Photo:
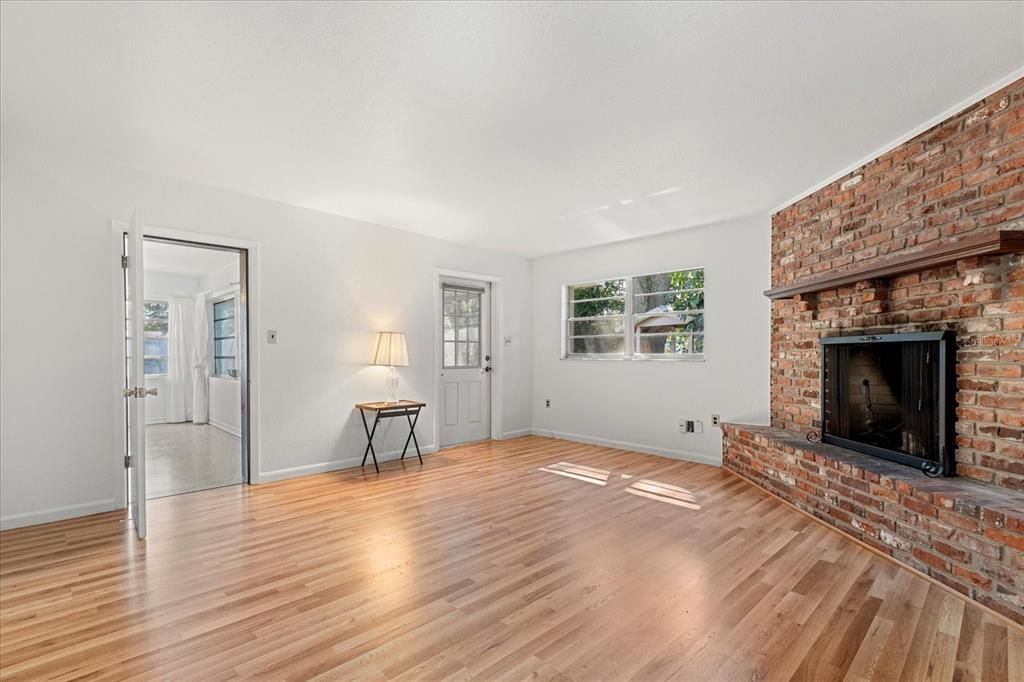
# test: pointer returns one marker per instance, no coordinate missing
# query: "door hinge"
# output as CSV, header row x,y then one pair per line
x,y
127,461
124,262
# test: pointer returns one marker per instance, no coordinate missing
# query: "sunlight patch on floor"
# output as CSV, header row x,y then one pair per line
x,y
579,472
664,492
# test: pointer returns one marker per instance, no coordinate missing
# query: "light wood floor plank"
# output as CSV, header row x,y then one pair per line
x,y
522,559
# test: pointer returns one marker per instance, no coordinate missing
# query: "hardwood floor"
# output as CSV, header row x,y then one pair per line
x,y
528,558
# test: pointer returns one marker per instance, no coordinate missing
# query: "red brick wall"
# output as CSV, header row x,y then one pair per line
x,y
964,176
969,536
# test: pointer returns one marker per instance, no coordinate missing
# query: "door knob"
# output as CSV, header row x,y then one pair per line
x,y
138,392
487,369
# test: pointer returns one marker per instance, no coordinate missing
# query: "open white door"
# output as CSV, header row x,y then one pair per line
x,y
135,384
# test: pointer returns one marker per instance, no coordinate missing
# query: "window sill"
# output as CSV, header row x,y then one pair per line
x,y
635,358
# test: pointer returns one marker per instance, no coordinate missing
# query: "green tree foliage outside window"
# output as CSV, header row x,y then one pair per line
x,y
613,291
155,325
666,314
155,317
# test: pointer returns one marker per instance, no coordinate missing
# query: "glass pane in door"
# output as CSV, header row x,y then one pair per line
x,y
461,327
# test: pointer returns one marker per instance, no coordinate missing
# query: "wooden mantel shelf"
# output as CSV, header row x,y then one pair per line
x,y
989,244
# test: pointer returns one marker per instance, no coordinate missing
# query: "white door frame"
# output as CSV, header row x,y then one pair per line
x,y
498,371
253,346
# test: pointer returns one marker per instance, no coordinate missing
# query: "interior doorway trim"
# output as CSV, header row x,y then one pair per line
x,y
251,273
497,348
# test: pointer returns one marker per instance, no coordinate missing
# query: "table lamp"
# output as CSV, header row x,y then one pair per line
x,y
391,352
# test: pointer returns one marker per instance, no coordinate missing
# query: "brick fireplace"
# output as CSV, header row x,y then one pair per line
x,y
925,238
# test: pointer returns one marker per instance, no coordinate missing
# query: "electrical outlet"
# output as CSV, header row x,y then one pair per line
x,y
508,340
690,425
547,403
716,420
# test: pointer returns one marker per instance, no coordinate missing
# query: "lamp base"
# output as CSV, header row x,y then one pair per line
x,y
392,383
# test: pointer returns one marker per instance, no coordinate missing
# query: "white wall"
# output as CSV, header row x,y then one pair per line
x,y
161,285
224,276
636,403
157,284
327,284
225,394
226,404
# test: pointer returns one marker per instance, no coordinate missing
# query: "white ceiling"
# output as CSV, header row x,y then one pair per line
x,y
529,127
190,261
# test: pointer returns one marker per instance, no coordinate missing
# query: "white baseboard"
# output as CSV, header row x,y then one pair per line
x,y
56,514
155,420
237,433
697,457
518,433
348,463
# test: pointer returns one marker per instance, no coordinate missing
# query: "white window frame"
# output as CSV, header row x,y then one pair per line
x,y
167,336
480,331
230,296
628,323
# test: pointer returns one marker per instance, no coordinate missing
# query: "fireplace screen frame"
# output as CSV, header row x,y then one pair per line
x,y
945,344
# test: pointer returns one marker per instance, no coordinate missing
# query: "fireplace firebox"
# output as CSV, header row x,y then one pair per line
x,y
892,396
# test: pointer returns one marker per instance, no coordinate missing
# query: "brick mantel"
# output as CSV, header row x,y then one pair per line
x,y
836,259
997,243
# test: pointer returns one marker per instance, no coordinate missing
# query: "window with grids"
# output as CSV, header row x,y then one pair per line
x,y
659,315
225,341
461,320
155,338
596,319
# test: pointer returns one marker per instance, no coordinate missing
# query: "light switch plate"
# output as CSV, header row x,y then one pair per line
x,y
271,336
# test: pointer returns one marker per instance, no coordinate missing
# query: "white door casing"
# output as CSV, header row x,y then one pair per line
x,y
251,364
135,385
466,361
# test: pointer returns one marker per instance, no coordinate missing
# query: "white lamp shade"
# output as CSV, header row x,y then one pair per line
x,y
391,350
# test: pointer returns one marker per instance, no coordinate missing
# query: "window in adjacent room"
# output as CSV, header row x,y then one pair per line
x,y
155,327
660,315
225,354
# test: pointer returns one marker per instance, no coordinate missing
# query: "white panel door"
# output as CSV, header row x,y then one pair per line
x,y
465,361
135,384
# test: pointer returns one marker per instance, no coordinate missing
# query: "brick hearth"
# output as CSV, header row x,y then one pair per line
x,y
963,177
965,534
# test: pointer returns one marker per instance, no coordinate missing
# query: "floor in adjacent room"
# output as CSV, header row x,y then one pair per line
x,y
183,458
523,558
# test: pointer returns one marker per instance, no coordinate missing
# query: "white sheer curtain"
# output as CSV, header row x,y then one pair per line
x,y
200,361
178,397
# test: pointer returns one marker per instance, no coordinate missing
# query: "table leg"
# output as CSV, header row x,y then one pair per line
x,y
369,439
412,435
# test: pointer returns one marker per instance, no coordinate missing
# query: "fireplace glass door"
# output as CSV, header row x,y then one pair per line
x,y
889,396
